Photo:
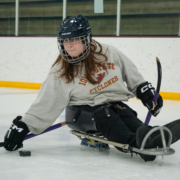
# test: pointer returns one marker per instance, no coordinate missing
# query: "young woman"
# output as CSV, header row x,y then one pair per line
x,y
92,81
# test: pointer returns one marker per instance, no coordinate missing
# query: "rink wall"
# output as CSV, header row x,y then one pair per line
x,y
26,61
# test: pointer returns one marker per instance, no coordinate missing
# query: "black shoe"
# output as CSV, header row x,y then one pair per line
x,y
174,127
140,134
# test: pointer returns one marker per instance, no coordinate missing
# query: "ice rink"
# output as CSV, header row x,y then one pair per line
x,y
58,155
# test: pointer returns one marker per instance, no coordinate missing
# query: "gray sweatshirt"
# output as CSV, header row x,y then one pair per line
x,y
119,84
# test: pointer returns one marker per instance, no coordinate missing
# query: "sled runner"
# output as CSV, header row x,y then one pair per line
x,y
165,150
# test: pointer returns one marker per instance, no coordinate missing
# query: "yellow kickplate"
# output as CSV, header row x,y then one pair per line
x,y
24,85
27,85
170,96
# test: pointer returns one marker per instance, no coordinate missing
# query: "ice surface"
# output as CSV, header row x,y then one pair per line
x,y
59,155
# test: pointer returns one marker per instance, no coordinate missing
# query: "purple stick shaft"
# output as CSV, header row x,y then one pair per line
x,y
148,117
47,130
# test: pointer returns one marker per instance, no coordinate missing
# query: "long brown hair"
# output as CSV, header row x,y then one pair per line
x,y
70,71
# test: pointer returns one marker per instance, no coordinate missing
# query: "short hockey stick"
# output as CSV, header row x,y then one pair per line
x,y
56,126
157,89
47,130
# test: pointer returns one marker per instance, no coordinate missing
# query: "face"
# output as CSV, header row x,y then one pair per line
x,y
74,47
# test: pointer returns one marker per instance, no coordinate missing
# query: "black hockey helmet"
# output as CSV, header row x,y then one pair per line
x,y
74,28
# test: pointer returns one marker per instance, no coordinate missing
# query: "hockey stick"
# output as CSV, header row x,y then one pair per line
x,y
148,117
47,130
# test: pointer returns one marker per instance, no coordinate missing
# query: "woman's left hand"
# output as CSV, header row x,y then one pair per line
x,y
146,92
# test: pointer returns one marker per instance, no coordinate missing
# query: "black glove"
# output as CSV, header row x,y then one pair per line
x,y
15,135
146,92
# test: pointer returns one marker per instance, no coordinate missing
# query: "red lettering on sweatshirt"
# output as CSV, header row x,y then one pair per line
x,y
83,80
104,85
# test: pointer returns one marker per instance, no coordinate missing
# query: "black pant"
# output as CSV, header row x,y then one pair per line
x,y
120,126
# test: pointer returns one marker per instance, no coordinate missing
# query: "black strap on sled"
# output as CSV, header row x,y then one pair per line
x,y
77,114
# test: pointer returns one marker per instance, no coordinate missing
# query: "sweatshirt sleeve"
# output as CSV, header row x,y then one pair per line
x,y
49,104
130,73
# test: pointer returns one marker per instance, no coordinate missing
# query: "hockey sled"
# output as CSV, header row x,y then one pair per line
x,y
165,150
97,145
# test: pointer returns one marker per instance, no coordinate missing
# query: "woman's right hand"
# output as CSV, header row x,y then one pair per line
x,y
15,135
